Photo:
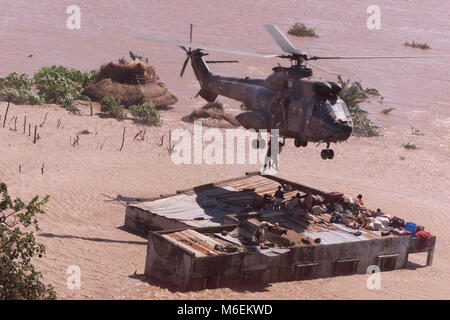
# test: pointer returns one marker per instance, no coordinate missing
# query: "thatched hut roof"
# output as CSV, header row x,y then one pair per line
x,y
132,82
212,111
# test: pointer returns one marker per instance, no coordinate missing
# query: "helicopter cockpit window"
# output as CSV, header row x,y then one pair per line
x,y
339,111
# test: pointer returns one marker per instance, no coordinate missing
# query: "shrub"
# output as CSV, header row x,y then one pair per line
x,y
134,56
146,112
409,146
16,81
18,247
56,82
18,88
21,96
387,110
300,30
353,94
113,107
417,45
69,104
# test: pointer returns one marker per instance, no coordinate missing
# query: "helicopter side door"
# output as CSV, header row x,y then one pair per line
x,y
296,117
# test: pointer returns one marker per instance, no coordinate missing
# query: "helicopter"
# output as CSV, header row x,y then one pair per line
x,y
289,99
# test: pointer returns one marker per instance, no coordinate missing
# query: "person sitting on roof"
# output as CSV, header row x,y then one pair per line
x,y
308,202
279,197
294,204
360,200
262,203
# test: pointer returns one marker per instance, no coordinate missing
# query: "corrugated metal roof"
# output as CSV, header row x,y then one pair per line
x,y
232,195
199,244
191,209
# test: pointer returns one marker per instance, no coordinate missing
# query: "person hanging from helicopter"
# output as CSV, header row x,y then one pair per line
x,y
269,159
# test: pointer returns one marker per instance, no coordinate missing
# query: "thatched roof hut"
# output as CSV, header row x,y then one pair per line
x,y
132,82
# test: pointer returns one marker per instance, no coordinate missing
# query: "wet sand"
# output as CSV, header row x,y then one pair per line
x,y
83,221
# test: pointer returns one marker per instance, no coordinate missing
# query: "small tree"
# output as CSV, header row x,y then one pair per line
x,y
113,107
146,112
353,94
56,82
18,277
300,30
18,88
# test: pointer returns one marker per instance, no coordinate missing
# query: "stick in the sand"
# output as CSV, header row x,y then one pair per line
x,y
42,168
123,139
20,168
11,120
29,129
35,134
101,147
45,118
24,124
6,112
75,141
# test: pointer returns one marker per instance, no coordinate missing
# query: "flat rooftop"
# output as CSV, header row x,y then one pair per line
x,y
207,205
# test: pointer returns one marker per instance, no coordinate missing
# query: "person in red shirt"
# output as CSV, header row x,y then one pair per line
x,y
361,202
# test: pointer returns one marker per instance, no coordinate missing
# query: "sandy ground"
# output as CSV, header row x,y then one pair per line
x,y
83,222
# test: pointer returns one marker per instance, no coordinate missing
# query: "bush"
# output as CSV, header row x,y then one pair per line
x,y
146,112
134,56
113,107
387,110
69,104
16,81
417,45
21,96
18,88
409,146
300,30
18,247
353,94
56,82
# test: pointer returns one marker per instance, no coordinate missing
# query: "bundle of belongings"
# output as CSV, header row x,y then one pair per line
x,y
423,236
259,235
343,210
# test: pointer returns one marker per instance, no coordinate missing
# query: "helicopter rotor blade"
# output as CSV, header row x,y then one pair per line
x,y
213,48
323,69
375,57
281,40
184,66
190,35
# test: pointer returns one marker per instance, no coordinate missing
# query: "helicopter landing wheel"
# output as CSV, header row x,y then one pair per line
x,y
327,154
299,143
330,154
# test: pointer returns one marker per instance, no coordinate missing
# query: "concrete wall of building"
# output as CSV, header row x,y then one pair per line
x,y
142,221
366,252
165,261
168,263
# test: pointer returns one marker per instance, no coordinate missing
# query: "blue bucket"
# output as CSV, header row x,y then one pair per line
x,y
411,227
